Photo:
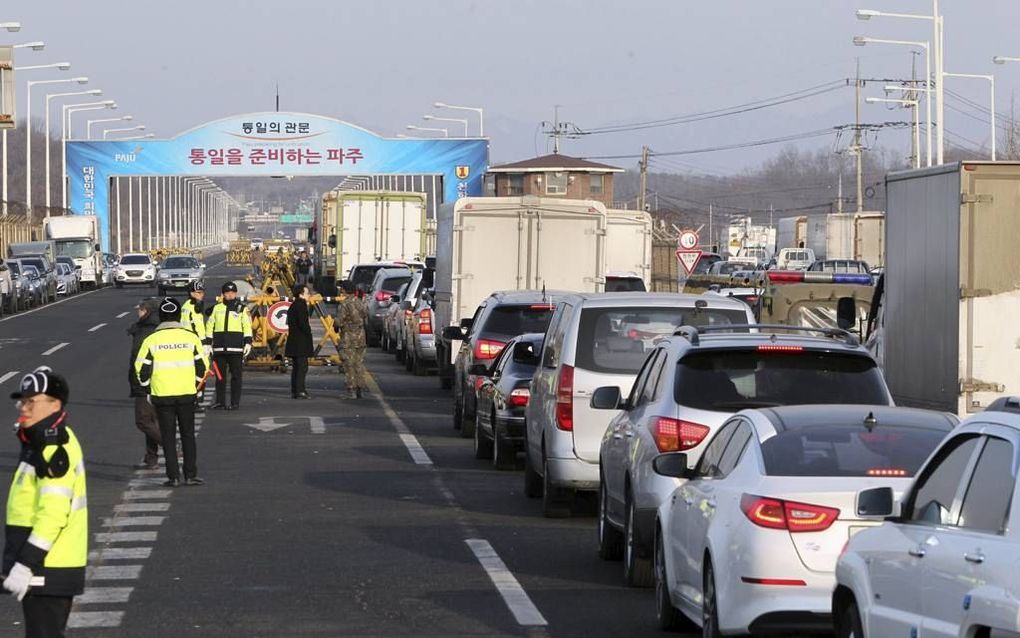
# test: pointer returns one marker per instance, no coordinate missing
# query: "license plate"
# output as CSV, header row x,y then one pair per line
x,y
180,284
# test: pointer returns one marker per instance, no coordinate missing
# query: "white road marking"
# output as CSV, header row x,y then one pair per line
x,y
113,572
153,472
96,327
12,373
141,507
146,494
55,348
104,595
123,314
513,594
87,619
145,482
410,441
134,521
50,305
126,537
120,553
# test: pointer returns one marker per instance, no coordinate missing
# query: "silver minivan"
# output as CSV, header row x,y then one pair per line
x,y
596,340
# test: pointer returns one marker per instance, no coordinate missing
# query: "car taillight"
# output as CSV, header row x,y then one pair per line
x,y
565,398
779,348
519,398
674,435
382,295
774,513
488,349
887,472
425,322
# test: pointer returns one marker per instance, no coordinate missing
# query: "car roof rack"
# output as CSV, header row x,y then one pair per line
x,y
693,333
1005,404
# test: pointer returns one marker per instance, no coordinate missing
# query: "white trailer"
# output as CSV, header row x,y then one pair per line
x,y
629,243
485,244
792,232
869,238
77,237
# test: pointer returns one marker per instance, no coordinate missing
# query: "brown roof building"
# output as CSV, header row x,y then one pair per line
x,y
554,175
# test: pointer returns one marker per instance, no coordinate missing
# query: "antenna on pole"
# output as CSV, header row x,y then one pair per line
x,y
557,129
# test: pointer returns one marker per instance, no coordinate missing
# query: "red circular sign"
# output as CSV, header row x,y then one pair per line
x,y
277,316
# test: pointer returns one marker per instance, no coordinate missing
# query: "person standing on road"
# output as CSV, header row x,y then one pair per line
x,y
304,268
299,341
145,414
229,332
351,315
171,363
47,531
257,257
193,319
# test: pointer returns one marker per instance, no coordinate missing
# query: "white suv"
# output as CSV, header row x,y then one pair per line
x,y
945,562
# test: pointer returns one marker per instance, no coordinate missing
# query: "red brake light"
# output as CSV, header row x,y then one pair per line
x,y
565,398
488,349
788,582
886,471
794,517
540,306
425,322
519,398
382,295
778,348
673,435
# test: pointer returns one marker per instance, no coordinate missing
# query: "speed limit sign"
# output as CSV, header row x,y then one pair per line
x,y
688,239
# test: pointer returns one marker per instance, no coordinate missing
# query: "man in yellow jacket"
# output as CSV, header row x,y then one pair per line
x,y
228,331
47,517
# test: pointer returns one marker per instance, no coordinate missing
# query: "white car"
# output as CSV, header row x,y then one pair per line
x,y
946,562
67,280
749,543
135,268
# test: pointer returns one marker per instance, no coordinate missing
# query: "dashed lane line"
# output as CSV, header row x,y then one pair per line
x,y
55,348
96,327
524,611
12,373
410,441
123,314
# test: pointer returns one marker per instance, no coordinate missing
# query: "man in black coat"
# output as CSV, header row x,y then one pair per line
x,y
304,268
299,341
145,414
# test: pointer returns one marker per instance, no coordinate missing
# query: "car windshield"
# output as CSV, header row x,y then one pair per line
x,y
15,268
31,271
615,340
731,380
393,284
36,263
510,320
797,255
705,264
80,249
849,450
730,267
625,284
181,263
135,260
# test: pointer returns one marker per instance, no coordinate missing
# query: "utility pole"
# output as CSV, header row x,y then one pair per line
x,y
839,192
858,147
557,129
711,237
643,165
277,97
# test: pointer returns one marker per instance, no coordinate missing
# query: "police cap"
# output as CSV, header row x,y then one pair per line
x,y
43,380
196,286
229,287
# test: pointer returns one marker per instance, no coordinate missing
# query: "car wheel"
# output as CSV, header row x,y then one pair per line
x,y
467,423
709,604
637,570
419,367
401,354
152,284
409,361
848,621
458,412
483,444
556,501
118,285
504,454
532,481
610,538
669,617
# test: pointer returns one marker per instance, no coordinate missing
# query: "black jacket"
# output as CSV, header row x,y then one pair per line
x,y
139,331
299,335
304,266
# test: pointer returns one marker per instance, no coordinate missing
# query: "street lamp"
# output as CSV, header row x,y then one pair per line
x,y
412,127
65,132
135,137
915,105
140,127
13,27
89,123
47,101
478,110
862,40
991,81
28,135
35,46
448,119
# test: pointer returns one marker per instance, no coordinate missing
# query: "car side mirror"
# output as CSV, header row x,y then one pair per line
x,y
479,370
466,324
453,333
99,248
878,502
672,465
606,398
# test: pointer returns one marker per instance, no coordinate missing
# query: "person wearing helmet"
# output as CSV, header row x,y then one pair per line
x,y
229,331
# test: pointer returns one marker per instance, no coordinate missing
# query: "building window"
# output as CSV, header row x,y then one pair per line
x,y
515,184
555,183
596,184
490,184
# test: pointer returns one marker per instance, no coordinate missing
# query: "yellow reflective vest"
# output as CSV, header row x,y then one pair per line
x,y
230,327
47,515
193,320
171,361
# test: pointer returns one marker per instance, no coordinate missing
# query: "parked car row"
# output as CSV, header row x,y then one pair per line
x,y
30,281
400,304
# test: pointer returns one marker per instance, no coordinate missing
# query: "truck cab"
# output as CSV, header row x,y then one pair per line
x,y
77,237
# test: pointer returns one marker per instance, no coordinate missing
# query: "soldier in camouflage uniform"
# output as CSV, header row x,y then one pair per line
x,y
351,315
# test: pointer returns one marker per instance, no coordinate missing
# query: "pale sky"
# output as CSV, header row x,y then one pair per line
x,y
382,63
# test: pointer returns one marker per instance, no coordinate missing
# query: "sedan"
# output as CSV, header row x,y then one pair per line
x,y
502,396
749,543
67,280
177,272
135,268
36,285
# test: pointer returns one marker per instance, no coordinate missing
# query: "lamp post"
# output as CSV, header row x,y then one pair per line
x,y
991,82
13,27
448,119
412,127
134,137
89,123
28,132
938,33
913,104
478,110
140,127
49,97
862,40
65,133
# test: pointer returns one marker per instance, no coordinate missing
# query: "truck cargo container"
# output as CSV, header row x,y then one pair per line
x,y
791,233
944,321
629,243
77,237
869,238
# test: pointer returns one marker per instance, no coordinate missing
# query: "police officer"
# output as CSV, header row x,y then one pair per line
x,y
351,315
47,519
171,363
229,331
193,319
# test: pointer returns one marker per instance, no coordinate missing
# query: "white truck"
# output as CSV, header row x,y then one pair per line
x,y
357,227
77,237
857,236
943,323
629,244
485,244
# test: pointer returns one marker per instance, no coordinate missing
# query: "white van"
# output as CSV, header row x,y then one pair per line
x,y
795,258
593,340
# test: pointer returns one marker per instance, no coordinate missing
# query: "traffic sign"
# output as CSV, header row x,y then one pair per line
x,y
688,239
277,316
689,259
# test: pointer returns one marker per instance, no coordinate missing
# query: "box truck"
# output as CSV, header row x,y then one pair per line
x,y
77,237
944,319
357,227
485,244
629,244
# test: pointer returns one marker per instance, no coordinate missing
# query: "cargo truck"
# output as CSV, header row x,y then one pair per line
x,y
77,237
485,244
858,236
629,244
357,227
943,323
